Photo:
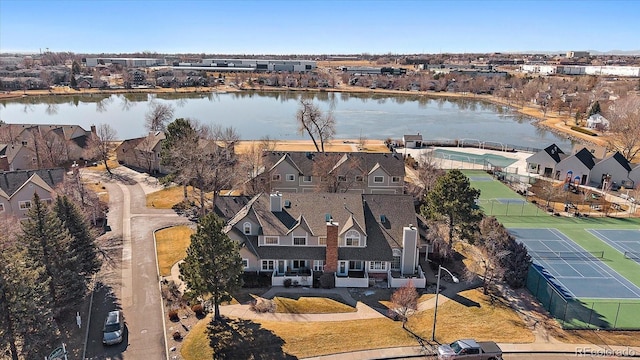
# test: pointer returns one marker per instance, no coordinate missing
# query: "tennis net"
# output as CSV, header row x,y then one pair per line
x,y
633,255
567,255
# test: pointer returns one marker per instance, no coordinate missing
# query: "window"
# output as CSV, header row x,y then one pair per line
x,y
47,201
395,263
355,265
377,265
246,228
271,240
291,177
378,179
24,143
359,178
395,179
275,177
268,265
318,265
299,264
299,240
24,205
307,178
322,240
1,207
342,178
352,238
245,263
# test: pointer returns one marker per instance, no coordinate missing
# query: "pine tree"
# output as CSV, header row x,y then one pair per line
x,y
213,264
49,244
595,109
453,198
83,243
27,328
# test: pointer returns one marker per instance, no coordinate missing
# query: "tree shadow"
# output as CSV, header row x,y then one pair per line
x,y
104,301
244,339
465,301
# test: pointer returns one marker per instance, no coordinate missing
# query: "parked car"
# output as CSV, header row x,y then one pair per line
x,y
470,349
113,330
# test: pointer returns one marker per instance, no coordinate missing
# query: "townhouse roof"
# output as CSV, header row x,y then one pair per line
x,y
392,163
12,181
586,157
621,160
555,152
417,137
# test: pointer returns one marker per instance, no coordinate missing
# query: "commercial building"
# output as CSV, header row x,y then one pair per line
x,y
127,62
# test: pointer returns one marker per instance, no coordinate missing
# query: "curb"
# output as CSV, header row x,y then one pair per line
x,y
164,324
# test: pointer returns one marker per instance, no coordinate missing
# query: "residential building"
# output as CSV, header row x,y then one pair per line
x,y
49,145
577,54
545,161
576,168
614,167
18,187
143,153
355,238
597,122
364,173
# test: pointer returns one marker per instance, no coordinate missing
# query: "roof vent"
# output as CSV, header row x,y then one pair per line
x,y
287,204
383,218
327,217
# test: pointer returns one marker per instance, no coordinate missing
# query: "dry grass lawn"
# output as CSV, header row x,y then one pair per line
x,y
305,339
99,189
478,319
195,345
171,245
170,196
310,305
307,145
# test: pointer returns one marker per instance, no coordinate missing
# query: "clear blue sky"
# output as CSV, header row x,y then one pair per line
x,y
318,27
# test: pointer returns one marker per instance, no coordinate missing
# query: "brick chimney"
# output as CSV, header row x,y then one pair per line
x,y
331,257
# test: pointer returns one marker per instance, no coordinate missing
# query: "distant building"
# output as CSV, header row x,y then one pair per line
x,y
249,65
127,62
577,54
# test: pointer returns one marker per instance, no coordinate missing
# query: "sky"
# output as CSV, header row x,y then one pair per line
x,y
318,27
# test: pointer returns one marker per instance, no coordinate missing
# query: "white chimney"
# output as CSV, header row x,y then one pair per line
x,y
276,202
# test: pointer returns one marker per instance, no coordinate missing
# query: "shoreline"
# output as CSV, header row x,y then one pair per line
x,y
557,124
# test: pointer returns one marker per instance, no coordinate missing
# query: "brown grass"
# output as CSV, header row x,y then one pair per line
x,y
480,319
307,145
170,196
171,245
310,305
99,189
305,339
195,345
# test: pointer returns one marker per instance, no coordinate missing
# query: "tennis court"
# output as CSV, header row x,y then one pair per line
x,y
570,269
625,241
482,159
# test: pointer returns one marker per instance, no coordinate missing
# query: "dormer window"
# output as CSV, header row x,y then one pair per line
x,y
378,179
246,228
275,177
352,238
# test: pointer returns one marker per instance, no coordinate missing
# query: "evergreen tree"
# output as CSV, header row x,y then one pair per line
x,y
83,242
73,83
595,109
213,264
27,329
49,245
453,198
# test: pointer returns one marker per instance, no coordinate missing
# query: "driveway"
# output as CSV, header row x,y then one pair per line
x,y
129,279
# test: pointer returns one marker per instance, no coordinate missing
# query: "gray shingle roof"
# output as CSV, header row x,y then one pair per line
x,y
10,181
390,162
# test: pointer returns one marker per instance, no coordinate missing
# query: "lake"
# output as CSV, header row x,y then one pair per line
x,y
255,114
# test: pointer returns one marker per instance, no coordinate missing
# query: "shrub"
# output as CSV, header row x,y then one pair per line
x,y
198,309
327,281
177,336
262,305
173,315
583,130
287,283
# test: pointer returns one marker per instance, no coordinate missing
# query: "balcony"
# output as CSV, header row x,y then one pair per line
x,y
302,277
353,278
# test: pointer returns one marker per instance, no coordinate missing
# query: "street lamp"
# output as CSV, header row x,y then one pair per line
x,y
435,313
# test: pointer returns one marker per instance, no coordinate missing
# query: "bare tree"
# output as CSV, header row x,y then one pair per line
x,y
158,116
404,302
624,118
319,126
102,143
337,172
256,165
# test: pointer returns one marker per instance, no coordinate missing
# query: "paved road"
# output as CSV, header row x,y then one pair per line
x,y
130,281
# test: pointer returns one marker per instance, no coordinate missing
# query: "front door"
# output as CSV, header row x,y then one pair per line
x,y
281,267
343,269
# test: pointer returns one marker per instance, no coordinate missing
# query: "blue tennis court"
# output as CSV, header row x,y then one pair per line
x,y
573,271
625,241
495,160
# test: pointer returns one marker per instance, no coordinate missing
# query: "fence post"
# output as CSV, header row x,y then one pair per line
x,y
591,314
615,322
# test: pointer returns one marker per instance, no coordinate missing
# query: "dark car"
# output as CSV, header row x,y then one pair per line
x,y
113,330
